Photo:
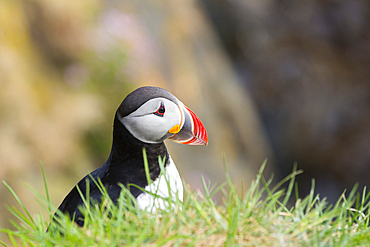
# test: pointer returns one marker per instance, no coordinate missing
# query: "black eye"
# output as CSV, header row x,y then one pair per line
x,y
161,110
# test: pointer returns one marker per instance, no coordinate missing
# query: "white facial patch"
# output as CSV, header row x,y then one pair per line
x,y
148,127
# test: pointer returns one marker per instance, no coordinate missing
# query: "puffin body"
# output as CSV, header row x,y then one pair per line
x,y
145,118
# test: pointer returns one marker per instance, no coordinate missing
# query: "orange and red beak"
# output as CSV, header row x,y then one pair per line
x,y
192,130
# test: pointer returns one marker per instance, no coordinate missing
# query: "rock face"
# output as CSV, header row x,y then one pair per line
x,y
306,65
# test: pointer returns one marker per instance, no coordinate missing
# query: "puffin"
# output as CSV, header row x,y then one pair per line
x,y
145,118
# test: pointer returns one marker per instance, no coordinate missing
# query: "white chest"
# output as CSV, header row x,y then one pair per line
x,y
168,185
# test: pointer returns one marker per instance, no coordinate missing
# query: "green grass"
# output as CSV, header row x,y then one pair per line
x,y
260,217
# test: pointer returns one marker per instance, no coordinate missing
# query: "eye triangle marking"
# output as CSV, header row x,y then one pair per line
x,y
160,111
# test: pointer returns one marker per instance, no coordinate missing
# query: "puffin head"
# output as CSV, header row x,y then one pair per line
x,y
152,114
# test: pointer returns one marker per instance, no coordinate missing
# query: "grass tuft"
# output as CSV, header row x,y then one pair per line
x,y
262,216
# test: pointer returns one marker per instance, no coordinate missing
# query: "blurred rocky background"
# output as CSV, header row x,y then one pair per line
x,y
278,79
306,65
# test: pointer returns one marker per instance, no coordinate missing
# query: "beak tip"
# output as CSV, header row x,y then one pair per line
x,y
206,141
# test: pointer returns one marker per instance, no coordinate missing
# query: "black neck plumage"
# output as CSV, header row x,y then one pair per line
x,y
126,163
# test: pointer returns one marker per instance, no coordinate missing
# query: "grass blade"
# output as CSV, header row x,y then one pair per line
x,y
28,219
